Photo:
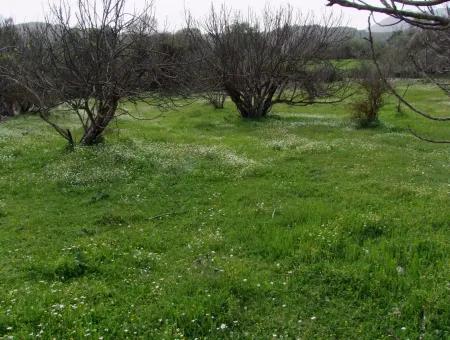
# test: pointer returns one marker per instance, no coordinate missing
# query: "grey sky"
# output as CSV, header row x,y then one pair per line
x,y
171,11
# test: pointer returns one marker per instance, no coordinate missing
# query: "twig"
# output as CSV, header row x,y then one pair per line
x,y
165,215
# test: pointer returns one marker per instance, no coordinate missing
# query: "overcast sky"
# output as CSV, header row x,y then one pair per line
x,y
172,11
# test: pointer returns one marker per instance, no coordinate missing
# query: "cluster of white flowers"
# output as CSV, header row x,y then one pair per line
x,y
72,169
9,132
113,162
357,144
170,154
292,142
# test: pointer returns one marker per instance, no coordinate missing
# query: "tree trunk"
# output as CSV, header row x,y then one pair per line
x,y
25,107
252,112
7,108
94,132
252,105
218,102
216,99
255,108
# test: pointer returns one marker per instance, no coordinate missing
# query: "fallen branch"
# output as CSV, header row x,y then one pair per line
x,y
165,215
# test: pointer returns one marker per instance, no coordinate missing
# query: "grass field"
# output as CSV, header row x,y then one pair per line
x,y
201,225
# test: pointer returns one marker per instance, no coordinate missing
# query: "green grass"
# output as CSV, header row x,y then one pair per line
x,y
201,225
347,64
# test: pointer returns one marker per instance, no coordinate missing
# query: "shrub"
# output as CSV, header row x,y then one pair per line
x,y
365,109
216,98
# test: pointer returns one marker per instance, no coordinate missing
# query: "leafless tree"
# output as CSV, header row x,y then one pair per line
x,y
11,95
214,92
259,61
199,82
433,17
90,58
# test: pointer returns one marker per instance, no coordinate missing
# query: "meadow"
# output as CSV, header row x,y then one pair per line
x,y
199,224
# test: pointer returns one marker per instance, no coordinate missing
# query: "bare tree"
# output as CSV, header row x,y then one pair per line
x,y
91,58
214,92
199,82
432,16
260,61
10,93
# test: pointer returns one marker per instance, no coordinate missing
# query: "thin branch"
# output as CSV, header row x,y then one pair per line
x,y
424,19
392,89
425,139
399,97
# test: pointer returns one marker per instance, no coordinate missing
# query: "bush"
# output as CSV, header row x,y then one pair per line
x,y
216,98
365,109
